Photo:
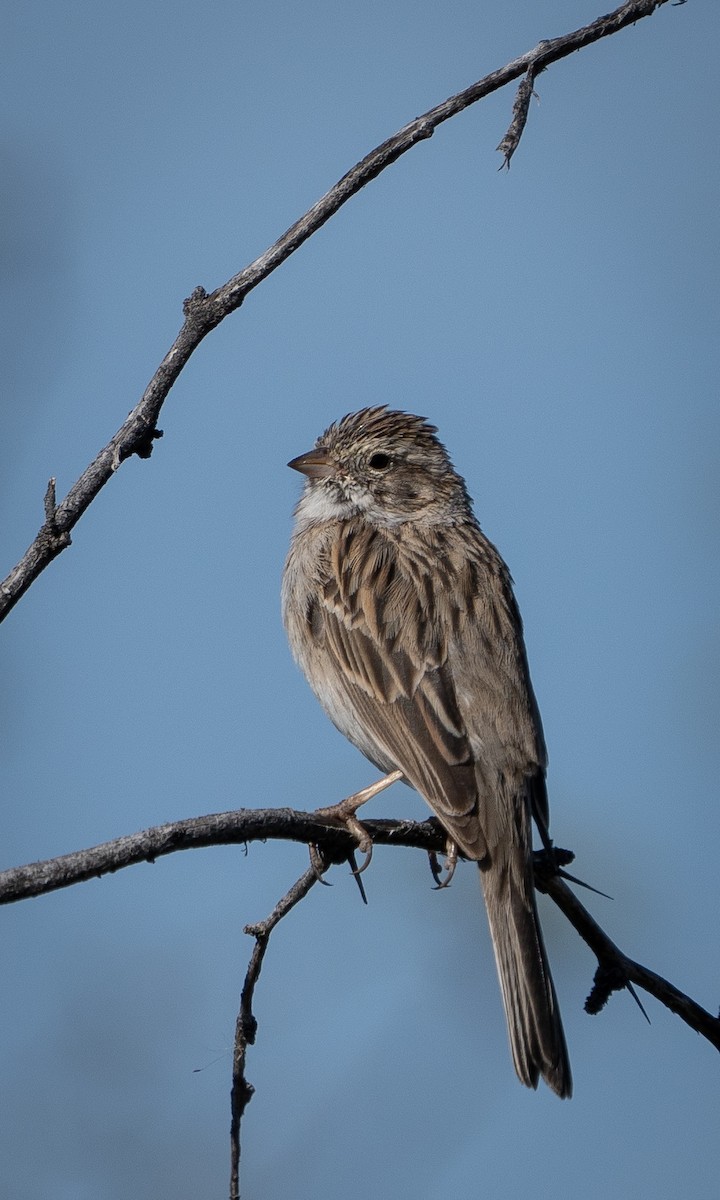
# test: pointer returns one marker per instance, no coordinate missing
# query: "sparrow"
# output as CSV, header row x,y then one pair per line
x,y
402,616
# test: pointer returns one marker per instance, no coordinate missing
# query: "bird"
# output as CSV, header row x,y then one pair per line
x,y
401,615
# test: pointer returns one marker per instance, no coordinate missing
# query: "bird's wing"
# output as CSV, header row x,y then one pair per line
x,y
497,704
416,728
410,677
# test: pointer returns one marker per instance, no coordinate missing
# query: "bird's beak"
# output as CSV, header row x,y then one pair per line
x,y
315,464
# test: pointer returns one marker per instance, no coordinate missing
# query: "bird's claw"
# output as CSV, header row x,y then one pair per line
x,y
356,874
319,863
345,813
364,843
451,859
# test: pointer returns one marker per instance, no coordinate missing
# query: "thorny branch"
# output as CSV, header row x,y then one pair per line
x,y
286,824
615,969
204,311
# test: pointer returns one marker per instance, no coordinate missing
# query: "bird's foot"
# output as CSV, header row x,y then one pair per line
x,y
345,814
451,859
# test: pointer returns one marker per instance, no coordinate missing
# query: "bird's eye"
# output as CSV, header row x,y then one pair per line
x,y
380,462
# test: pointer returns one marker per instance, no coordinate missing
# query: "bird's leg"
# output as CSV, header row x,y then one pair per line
x,y
344,812
544,832
451,858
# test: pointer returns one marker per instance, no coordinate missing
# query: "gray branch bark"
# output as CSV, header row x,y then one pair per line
x,y
204,311
245,825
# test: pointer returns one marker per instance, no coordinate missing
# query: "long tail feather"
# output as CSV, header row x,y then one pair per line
x,y
535,1030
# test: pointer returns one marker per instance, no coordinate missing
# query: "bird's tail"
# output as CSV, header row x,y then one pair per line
x,y
535,1030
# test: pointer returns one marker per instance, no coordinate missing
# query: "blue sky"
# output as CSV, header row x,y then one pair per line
x,y
559,323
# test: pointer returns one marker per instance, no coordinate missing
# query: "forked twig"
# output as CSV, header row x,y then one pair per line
x,y
204,311
616,970
287,824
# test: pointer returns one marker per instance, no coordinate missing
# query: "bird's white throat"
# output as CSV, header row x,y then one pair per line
x,y
320,504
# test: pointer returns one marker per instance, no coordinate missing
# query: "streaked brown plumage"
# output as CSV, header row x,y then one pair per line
x,y
401,614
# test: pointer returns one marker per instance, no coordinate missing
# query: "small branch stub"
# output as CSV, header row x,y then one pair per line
x,y
144,445
52,536
521,107
609,978
50,504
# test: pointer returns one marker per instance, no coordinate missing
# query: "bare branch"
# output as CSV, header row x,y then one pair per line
x,y
203,311
246,1024
615,969
215,829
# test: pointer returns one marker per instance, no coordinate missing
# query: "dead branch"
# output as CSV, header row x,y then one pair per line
x,y
204,311
246,1024
615,969
241,826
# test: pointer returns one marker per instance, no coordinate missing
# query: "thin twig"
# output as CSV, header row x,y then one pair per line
x,y
203,311
246,1024
616,970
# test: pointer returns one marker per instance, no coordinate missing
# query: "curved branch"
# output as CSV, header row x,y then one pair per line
x,y
241,826
203,311
615,969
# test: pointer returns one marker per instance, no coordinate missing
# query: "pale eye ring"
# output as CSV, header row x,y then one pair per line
x,y
380,461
